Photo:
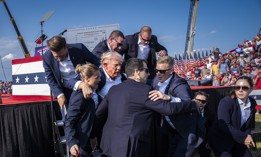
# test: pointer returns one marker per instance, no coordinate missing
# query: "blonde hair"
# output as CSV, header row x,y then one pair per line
x,y
86,70
108,56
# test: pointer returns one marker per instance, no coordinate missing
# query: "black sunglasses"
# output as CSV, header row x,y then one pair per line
x,y
202,101
161,71
244,88
118,43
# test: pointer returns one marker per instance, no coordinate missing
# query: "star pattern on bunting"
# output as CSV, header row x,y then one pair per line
x,y
17,79
36,78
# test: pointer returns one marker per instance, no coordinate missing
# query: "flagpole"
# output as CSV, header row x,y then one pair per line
x,y
3,68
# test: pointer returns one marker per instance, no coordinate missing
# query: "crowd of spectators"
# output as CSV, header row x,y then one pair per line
x,y
5,87
224,68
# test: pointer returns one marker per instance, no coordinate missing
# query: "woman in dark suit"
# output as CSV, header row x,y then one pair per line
x,y
230,135
81,112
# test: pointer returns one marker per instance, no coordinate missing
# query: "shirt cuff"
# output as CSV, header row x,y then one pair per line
x,y
76,86
60,95
175,99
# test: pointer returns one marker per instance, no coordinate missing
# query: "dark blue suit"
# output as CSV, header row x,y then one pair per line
x,y
226,136
130,50
79,54
130,127
100,48
184,139
79,121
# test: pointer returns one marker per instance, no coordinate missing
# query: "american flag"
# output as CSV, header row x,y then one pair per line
x,y
29,80
256,94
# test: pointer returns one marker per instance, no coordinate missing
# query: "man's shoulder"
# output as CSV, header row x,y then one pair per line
x,y
47,55
132,36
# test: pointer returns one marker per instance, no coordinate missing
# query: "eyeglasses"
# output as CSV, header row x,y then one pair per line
x,y
145,41
118,43
244,88
202,101
161,71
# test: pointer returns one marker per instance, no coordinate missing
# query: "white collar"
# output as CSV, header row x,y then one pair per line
x,y
246,105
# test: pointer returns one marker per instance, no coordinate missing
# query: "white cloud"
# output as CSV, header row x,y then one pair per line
x,y
11,46
213,32
8,57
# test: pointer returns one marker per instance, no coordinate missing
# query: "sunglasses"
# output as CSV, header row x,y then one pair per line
x,y
118,43
161,71
244,88
202,101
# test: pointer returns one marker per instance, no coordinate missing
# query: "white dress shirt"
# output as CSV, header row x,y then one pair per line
x,y
67,72
143,51
162,88
245,110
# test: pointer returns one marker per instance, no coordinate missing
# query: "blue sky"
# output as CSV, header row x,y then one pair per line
x,y
222,23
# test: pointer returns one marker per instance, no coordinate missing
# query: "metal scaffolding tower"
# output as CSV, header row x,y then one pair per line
x,y
191,27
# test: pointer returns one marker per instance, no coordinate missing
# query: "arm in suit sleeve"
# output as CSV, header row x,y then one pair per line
x,y
72,118
56,89
181,91
70,84
225,123
158,46
171,108
90,57
100,117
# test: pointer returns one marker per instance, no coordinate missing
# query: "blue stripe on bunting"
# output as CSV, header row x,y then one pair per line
x,y
34,78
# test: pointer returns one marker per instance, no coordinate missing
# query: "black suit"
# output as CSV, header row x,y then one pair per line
x,y
183,140
226,136
130,128
79,121
100,48
130,50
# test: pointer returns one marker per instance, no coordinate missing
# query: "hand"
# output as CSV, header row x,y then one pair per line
x,y
249,142
74,150
86,90
162,53
61,101
157,95
198,104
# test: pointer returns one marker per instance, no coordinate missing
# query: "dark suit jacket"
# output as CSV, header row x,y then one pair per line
x,y
79,54
129,129
130,50
100,48
186,124
226,130
179,87
79,120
